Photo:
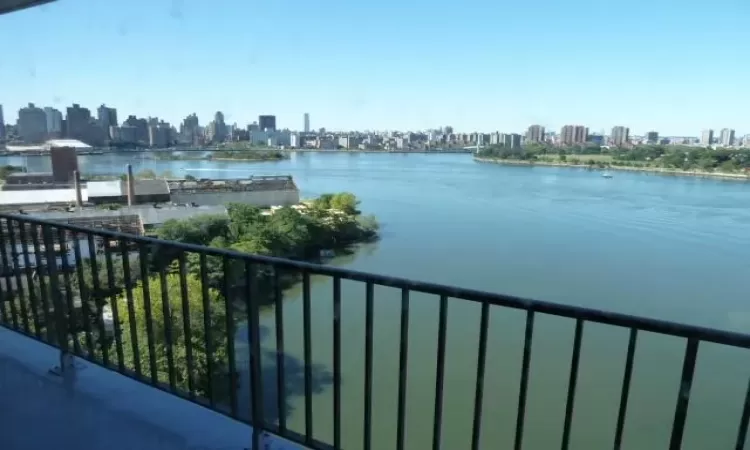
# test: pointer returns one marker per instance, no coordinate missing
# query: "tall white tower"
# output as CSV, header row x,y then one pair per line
x,y
307,122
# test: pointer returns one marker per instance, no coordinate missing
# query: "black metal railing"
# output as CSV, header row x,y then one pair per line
x,y
166,313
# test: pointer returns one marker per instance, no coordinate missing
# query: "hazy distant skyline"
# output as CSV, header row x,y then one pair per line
x,y
477,65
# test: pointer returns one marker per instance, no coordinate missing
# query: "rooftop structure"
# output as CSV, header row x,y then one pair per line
x,y
254,183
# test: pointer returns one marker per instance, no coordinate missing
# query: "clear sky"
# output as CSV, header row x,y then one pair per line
x,y
675,66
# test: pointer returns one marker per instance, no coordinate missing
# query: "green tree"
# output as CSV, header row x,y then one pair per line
x,y
198,230
174,320
345,202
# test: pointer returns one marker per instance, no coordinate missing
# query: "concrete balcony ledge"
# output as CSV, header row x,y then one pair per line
x,y
101,409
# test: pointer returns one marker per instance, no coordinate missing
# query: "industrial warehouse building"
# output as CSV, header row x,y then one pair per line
x,y
133,205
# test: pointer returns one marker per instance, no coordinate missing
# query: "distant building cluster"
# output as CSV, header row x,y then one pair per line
x,y
36,125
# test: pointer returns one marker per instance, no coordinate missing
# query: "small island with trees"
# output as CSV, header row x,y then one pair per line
x,y
668,159
242,154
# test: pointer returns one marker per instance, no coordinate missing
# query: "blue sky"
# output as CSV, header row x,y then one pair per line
x,y
673,66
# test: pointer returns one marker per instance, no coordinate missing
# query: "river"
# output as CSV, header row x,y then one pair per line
x,y
660,246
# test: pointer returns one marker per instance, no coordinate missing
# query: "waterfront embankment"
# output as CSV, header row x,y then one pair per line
x,y
656,170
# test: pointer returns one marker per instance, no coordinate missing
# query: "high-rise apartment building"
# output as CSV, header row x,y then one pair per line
x,y
106,117
190,129
727,137
307,122
652,137
620,136
78,121
707,137
535,133
573,134
32,124
2,123
511,140
54,122
140,126
267,123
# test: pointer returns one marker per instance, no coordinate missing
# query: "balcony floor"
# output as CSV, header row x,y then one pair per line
x,y
99,410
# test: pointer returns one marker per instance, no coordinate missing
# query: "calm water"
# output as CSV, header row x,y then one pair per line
x,y
665,247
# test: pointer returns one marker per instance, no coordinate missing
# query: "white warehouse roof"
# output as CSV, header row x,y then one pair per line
x,y
40,196
47,145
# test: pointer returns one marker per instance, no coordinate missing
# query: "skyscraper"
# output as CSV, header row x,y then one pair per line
x,y
727,137
78,122
652,137
2,123
707,137
106,117
32,124
307,122
267,123
573,134
620,136
535,133
54,121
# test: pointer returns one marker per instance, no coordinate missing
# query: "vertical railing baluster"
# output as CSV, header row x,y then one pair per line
x,y
143,260
229,310
168,336
5,292
207,332
62,237
369,313
114,303
40,259
683,396
439,379
33,301
307,331
253,323
742,432
83,293
7,276
4,287
403,358
625,392
58,305
20,291
526,362
336,362
572,380
98,299
278,297
128,286
484,323
186,325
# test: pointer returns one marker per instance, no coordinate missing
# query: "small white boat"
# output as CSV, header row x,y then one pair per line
x,y
607,175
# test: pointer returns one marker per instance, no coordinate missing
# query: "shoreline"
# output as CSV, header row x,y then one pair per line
x,y
655,170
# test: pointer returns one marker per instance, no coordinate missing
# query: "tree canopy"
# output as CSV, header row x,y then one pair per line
x,y
174,323
725,160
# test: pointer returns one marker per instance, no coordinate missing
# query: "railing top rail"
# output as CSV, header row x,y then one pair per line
x,y
569,311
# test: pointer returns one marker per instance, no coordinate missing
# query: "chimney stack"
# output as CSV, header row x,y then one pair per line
x,y
131,186
77,186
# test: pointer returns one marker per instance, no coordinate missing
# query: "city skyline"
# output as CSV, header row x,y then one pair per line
x,y
402,70
107,116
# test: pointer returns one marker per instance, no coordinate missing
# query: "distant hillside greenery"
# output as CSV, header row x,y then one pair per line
x,y
723,160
